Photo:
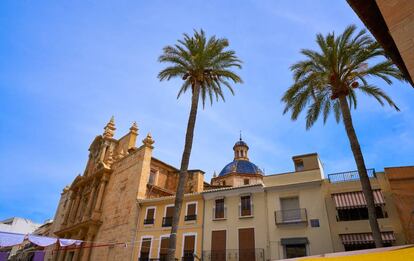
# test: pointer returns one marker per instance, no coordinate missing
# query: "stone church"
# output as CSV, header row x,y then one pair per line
x,y
100,205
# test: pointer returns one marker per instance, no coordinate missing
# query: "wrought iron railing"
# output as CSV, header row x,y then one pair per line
x,y
167,221
149,221
190,217
291,216
256,254
349,176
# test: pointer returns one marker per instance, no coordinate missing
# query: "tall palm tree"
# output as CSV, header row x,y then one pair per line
x,y
327,81
205,67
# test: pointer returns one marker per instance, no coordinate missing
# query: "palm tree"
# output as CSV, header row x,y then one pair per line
x,y
327,81
205,67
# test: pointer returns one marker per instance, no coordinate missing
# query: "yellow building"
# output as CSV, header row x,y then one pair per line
x,y
298,224
154,226
348,215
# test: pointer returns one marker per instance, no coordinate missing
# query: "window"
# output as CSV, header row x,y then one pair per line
x,y
168,217
360,246
145,249
224,183
290,209
359,213
314,223
245,206
191,213
189,246
149,216
165,241
219,209
295,250
246,181
299,166
152,177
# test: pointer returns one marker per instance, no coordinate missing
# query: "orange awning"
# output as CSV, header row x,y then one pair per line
x,y
366,238
356,199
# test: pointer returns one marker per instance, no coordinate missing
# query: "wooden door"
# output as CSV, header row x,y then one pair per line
x,y
246,244
218,245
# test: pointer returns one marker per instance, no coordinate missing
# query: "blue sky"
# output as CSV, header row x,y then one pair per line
x,y
67,66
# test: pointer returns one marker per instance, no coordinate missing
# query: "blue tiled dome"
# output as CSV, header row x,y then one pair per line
x,y
240,167
240,143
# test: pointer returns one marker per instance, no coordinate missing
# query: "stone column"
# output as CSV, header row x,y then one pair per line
x,y
76,256
70,206
101,190
74,209
88,209
103,152
87,251
62,250
80,205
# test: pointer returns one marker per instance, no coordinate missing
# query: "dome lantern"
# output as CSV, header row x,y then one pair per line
x,y
240,149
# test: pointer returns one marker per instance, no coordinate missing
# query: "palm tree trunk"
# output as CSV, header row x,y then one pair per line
x,y
183,171
359,159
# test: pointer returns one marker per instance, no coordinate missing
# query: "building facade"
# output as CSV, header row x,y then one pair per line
x,y
154,226
348,214
121,207
296,213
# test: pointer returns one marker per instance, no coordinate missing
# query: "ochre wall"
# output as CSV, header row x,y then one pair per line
x,y
401,181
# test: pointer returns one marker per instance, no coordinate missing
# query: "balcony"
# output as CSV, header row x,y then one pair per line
x,y
190,217
349,176
234,254
291,216
167,221
149,221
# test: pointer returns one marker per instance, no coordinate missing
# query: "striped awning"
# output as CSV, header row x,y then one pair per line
x,y
356,199
366,238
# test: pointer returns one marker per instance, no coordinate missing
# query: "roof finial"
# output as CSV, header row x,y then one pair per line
x,y
109,128
240,135
134,127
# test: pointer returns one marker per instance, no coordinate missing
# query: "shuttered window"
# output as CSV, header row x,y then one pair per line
x,y
189,246
145,248
164,248
191,209
219,211
170,211
191,212
150,213
246,207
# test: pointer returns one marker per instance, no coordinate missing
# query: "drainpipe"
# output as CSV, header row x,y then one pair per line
x,y
202,227
267,225
136,232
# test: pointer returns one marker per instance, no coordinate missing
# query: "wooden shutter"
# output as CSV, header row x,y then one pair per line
x,y
245,206
219,208
146,245
191,209
169,212
150,213
246,244
189,242
218,245
164,245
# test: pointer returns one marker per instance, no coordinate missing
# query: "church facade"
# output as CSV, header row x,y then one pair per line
x,y
100,206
